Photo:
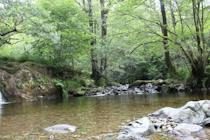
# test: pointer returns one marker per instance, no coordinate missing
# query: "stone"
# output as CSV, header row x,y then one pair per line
x,y
136,130
189,132
181,87
61,128
188,129
205,107
206,122
27,81
192,112
123,90
182,123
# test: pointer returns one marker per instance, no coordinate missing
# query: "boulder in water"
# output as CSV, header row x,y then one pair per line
x,y
61,128
137,129
183,123
188,129
189,132
192,112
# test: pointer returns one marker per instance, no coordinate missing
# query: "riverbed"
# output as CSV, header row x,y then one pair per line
x,y
95,117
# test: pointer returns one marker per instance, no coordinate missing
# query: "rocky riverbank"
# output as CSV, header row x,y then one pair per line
x,y
186,122
123,90
26,81
139,87
30,81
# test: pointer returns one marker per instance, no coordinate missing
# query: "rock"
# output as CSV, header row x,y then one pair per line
x,y
137,130
183,123
189,132
26,82
192,112
206,107
206,122
188,129
61,128
181,87
149,88
139,83
123,90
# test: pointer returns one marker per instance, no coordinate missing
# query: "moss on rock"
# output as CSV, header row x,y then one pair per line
x,y
27,81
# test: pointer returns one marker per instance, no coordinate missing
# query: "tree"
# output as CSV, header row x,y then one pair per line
x,y
12,18
60,35
98,61
104,16
197,54
185,30
94,61
164,29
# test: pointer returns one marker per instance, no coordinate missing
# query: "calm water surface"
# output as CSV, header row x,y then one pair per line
x,y
94,116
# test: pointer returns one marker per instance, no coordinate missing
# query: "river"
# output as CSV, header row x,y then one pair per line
x,y
94,116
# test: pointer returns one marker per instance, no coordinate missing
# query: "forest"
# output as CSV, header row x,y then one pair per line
x,y
114,40
63,48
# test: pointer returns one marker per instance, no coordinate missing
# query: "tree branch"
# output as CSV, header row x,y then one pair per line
x,y
146,43
8,32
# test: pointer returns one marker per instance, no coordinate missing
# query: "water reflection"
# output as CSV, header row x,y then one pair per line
x,y
92,115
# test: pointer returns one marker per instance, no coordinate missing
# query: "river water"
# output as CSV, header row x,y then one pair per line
x,y
95,117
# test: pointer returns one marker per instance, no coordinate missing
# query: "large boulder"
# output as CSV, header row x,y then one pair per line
x,y
26,81
137,129
192,112
183,123
189,132
188,129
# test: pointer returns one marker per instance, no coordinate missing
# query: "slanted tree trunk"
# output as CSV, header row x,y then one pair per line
x,y
169,64
197,54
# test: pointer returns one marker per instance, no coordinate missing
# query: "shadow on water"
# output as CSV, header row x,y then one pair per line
x,y
92,115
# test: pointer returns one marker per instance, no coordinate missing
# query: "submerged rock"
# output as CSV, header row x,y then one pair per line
x,y
61,128
182,123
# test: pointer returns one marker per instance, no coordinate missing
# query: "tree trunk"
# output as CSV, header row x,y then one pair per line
x,y
104,14
200,60
94,62
169,64
173,17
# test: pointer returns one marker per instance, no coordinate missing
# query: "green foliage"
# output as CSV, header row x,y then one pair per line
x,y
61,32
182,73
59,83
75,86
134,69
56,33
